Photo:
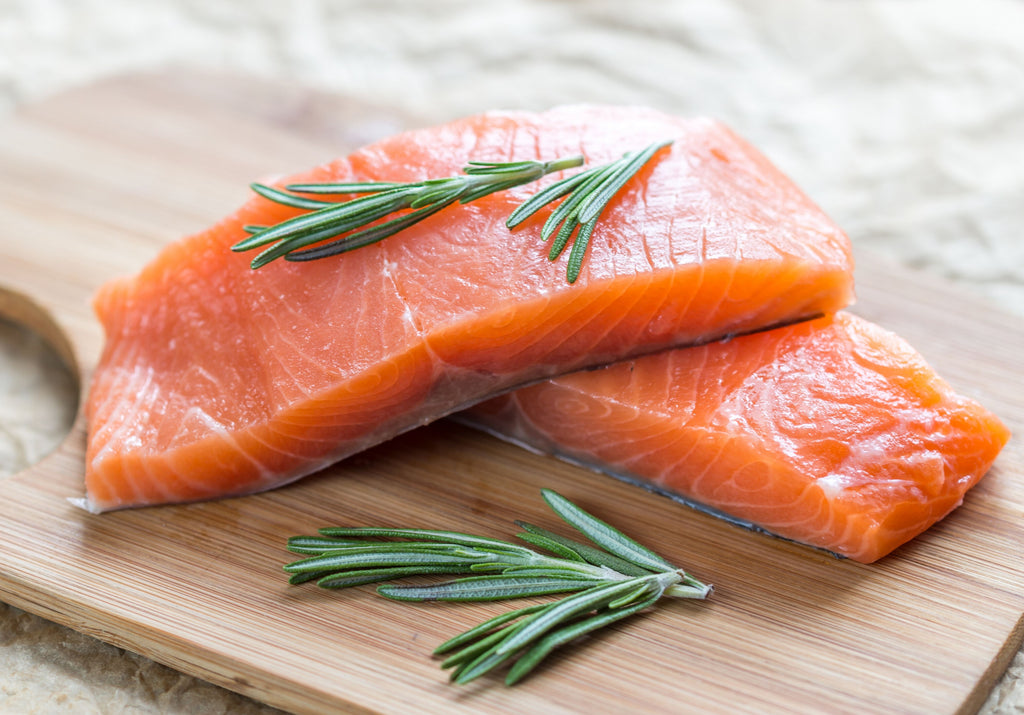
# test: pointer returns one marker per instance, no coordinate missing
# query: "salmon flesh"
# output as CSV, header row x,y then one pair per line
x,y
833,432
218,380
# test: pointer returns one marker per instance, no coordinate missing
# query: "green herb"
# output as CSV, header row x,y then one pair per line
x,y
328,219
610,583
588,194
352,222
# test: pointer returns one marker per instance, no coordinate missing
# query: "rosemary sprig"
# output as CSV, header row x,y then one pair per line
x,y
588,194
609,583
328,219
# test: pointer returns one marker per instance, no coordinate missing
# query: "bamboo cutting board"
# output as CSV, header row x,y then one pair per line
x,y
93,182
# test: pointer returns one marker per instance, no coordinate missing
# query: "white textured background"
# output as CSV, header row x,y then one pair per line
x,y
904,119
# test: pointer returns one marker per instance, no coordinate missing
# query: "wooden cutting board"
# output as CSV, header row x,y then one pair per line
x,y
93,182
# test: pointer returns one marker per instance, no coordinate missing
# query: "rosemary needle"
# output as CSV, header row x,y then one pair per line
x,y
609,582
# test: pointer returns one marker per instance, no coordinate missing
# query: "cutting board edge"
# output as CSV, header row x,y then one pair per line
x,y
988,681
259,684
25,310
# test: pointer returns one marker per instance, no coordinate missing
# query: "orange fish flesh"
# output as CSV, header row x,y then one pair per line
x,y
833,432
217,380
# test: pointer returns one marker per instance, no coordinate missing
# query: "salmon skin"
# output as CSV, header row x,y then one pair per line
x,y
833,433
217,380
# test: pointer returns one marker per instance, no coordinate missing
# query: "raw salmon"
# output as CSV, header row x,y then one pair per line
x,y
833,432
217,380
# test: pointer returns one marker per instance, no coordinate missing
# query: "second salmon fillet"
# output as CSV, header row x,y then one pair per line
x,y
218,380
833,432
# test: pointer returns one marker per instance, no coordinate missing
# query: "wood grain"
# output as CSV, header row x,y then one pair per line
x,y
92,182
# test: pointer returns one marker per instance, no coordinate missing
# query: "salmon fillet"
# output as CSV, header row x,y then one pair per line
x,y
217,380
833,432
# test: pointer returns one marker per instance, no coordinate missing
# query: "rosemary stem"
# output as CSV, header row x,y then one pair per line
x,y
569,162
685,591
530,172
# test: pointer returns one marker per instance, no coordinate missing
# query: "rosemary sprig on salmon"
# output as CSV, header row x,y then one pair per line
x,y
588,194
610,583
293,239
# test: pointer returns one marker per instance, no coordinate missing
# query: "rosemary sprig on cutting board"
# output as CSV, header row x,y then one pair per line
x,y
609,582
